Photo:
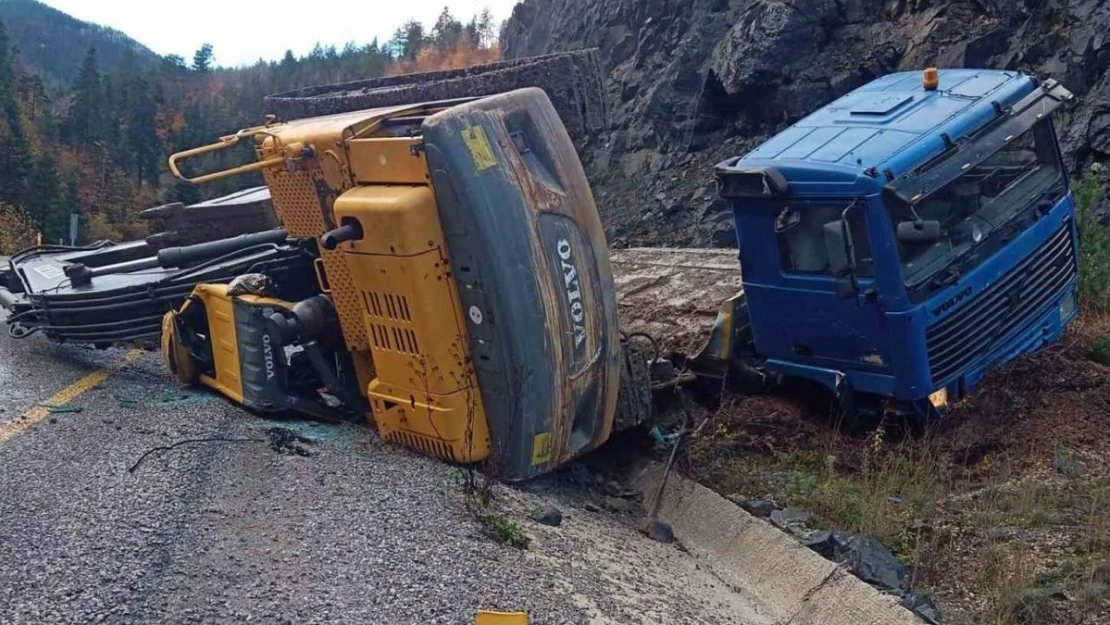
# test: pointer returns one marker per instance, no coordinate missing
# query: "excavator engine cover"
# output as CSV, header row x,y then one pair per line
x,y
531,262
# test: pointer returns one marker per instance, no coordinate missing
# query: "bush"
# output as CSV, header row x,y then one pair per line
x,y
1094,247
17,230
1100,351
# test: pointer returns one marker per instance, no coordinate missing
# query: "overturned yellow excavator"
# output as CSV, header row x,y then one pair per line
x,y
464,298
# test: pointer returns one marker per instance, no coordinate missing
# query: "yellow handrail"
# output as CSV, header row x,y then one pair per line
x,y
228,141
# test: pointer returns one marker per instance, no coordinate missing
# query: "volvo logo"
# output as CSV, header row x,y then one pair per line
x,y
952,302
574,291
268,355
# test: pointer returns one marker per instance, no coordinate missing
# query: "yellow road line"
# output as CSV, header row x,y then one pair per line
x,y
25,421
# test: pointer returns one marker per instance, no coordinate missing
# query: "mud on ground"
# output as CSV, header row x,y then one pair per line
x,y
1002,511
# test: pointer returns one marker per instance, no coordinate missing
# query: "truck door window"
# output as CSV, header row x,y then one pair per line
x,y
800,229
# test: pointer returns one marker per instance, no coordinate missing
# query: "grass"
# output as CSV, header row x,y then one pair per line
x,y
1094,246
478,496
925,504
507,530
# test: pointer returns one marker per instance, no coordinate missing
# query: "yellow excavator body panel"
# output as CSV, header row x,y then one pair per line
x,y
425,394
393,291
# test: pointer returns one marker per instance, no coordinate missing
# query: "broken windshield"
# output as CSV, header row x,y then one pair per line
x,y
982,202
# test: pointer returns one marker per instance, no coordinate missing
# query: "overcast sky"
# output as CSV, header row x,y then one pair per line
x,y
242,31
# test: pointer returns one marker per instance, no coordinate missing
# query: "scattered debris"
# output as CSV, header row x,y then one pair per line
x,y
821,542
788,518
258,284
175,398
288,442
614,488
659,531
190,441
922,605
869,560
550,515
866,557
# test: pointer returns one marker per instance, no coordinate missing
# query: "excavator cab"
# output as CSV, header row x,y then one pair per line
x,y
462,254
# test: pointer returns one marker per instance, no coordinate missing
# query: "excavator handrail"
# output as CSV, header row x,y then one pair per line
x,y
225,142
230,141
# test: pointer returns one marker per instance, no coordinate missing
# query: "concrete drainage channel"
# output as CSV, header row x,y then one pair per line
x,y
788,581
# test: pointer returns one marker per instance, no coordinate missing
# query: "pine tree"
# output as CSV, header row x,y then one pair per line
x,y
46,200
141,137
85,124
14,148
34,96
407,40
447,31
202,60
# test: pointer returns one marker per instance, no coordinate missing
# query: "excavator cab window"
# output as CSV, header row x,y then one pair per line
x,y
199,342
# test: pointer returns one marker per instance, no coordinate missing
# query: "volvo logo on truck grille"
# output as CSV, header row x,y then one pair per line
x,y
952,302
574,291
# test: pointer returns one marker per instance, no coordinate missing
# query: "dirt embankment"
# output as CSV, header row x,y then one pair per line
x,y
1001,512
692,82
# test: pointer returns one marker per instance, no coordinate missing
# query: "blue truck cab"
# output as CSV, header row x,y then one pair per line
x,y
903,240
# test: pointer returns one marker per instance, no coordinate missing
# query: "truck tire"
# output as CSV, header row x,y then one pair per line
x,y
572,81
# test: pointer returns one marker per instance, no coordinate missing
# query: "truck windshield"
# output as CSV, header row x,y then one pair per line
x,y
984,201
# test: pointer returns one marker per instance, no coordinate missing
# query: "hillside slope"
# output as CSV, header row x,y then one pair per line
x,y
54,43
691,82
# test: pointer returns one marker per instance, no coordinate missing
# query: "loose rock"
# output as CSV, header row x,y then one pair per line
x,y
551,516
758,508
788,517
659,531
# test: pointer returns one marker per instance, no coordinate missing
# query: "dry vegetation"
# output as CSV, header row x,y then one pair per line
x,y
17,230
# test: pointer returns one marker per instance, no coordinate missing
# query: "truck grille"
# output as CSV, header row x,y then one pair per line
x,y
1002,309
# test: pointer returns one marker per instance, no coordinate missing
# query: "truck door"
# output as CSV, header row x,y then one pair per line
x,y
820,326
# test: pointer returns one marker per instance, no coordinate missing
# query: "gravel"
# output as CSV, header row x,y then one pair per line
x,y
350,531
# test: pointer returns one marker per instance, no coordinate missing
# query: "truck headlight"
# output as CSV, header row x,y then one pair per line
x,y
939,399
1067,307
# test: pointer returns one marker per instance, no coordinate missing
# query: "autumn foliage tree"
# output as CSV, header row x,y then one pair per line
x,y
97,147
450,45
17,230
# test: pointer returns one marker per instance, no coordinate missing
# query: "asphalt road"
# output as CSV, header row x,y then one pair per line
x,y
335,528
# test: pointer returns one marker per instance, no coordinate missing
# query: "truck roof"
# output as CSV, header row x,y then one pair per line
x,y
892,123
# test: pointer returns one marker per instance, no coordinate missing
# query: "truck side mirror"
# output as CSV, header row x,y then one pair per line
x,y
839,250
836,247
919,231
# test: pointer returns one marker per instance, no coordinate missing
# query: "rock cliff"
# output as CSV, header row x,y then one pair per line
x,y
692,82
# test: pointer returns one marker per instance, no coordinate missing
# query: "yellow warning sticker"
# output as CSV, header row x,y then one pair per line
x,y
541,449
480,150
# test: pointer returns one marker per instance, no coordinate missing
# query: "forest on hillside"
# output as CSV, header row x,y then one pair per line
x,y
97,147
